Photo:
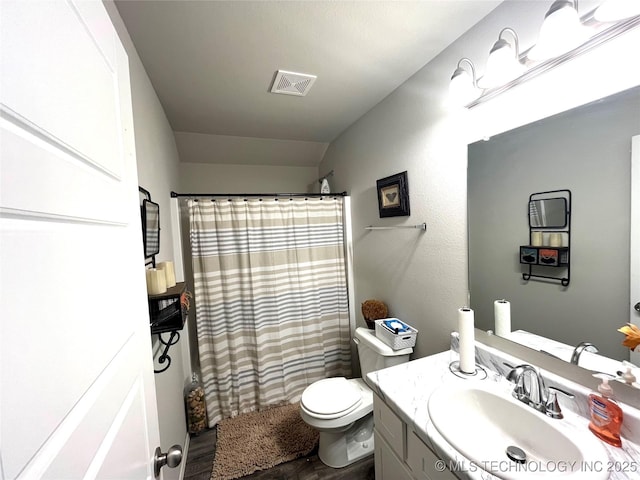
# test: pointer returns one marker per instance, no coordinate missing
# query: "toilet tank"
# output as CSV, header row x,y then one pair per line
x,y
374,354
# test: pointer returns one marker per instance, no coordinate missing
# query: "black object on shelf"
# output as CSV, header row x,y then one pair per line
x,y
166,315
544,256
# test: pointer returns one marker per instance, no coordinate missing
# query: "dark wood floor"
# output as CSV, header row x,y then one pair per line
x,y
202,451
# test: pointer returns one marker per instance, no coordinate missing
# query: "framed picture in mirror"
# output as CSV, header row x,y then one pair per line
x,y
393,196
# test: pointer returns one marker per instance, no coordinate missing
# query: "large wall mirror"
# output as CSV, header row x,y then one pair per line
x,y
586,150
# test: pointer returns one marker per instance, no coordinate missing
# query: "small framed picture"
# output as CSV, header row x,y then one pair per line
x,y
393,196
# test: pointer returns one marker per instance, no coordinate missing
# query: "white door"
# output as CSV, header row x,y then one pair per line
x,y
634,312
77,389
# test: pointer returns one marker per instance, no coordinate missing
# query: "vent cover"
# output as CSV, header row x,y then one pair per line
x,y
291,83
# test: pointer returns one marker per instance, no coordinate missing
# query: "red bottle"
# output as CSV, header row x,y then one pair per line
x,y
606,415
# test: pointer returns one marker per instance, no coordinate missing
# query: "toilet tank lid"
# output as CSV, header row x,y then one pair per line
x,y
368,338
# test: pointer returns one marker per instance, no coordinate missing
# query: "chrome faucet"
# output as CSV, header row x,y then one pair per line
x,y
530,389
581,347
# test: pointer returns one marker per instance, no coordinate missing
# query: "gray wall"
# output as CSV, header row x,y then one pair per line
x,y
423,277
586,150
225,178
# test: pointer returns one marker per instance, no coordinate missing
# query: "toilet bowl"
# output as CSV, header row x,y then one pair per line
x,y
342,409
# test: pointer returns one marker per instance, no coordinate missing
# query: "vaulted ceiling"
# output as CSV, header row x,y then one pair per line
x,y
212,64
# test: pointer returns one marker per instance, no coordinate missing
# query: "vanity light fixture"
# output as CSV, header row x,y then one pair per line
x,y
562,37
614,10
464,86
560,32
503,64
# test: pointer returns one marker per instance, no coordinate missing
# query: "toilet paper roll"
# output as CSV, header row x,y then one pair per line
x,y
169,273
466,330
536,239
555,240
156,282
502,317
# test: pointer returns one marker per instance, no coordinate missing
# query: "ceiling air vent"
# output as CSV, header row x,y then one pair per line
x,y
291,83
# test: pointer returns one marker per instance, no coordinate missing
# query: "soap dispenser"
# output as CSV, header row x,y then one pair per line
x,y
606,415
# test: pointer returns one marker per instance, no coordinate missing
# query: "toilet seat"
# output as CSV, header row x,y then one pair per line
x,y
331,398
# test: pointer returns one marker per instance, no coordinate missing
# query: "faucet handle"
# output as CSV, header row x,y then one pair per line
x,y
552,407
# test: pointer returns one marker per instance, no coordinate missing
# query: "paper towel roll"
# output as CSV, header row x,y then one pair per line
x,y
169,273
502,317
466,330
555,239
156,282
536,239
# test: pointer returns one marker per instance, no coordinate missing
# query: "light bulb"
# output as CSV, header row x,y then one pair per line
x,y
461,88
614,10
502,67
561,31
503,64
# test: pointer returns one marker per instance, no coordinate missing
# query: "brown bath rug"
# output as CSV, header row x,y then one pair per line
x,y
259,440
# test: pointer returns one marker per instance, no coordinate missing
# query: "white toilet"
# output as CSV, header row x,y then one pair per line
x,y
342,410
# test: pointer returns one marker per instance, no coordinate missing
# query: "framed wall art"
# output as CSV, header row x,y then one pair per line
x,y
393,196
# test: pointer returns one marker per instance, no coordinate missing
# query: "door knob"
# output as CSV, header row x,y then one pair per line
x,y
636,307
171,459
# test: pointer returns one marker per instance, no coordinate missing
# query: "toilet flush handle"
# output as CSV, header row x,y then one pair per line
x,y
356,341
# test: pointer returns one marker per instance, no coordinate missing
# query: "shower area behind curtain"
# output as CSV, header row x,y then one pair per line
x,y
271,299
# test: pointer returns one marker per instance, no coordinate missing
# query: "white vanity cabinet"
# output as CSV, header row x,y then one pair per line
x,y
389,443
388,465
399,454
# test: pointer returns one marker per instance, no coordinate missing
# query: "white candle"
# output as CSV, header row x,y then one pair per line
x,y
156,282
148,276
555,240
466,330
536,239
169,273
502,317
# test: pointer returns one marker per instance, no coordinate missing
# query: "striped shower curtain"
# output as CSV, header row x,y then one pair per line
x,y
271,299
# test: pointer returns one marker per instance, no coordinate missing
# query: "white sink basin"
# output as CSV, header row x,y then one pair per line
x,y
481,420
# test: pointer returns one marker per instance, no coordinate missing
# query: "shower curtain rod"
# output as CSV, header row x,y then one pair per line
x,y
277,195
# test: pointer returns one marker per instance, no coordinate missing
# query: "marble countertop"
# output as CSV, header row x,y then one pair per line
x,y
406,389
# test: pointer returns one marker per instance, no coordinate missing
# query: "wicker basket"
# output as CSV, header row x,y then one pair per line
x,y
396,341
373,310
